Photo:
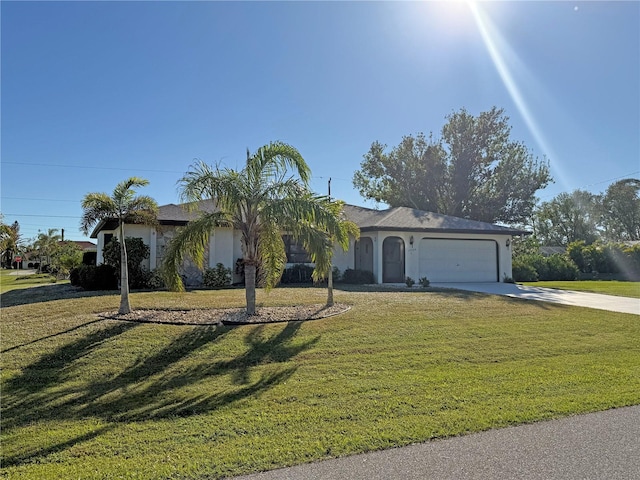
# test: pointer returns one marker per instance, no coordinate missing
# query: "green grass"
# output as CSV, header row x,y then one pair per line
x,y
89,398
17,279
608,287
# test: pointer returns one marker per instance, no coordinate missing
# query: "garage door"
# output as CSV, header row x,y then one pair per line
x,y
446,260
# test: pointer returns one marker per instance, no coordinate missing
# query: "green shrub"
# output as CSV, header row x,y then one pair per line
x,y
217,277
337,274
409,281
155,282
74,276
91,277
424,282
298,273
561,267
137,252
357,277
523,271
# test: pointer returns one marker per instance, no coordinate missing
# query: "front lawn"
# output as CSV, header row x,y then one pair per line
x,y
17,279
89,398
608,287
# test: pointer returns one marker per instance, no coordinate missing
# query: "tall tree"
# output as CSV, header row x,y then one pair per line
x,y
567,218
473,171
268,197
124,206
621,210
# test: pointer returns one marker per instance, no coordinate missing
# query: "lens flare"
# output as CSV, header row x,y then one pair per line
x,y
498,49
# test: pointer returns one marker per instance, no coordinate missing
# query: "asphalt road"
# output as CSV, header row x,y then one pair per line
x,y
603,445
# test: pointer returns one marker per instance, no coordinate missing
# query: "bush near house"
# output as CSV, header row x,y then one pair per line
x,y
531,267
92,277
137,252
298,273
217,277
357,277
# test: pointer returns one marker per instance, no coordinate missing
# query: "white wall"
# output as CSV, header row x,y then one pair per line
x,y
221,248
412,261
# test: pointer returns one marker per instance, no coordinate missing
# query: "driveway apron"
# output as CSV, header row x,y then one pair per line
x,y
578,299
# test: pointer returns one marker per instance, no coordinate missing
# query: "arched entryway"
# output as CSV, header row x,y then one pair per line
x,y
393,260
364,254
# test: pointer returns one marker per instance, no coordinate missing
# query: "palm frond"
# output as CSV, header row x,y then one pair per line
x,y
190,240
272,255
277,157
96,207
142,210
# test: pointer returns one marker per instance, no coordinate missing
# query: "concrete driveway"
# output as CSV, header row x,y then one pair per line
x,y
565,297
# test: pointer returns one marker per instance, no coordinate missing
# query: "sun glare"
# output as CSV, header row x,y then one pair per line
x,y
506,61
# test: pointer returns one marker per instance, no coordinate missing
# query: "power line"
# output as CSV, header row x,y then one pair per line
x,y
40,199
627,175
91,167
45,216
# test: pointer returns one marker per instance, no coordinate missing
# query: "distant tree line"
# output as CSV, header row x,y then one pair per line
x,y
613,216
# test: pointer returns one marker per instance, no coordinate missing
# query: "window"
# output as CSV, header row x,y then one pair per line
x,y
295,252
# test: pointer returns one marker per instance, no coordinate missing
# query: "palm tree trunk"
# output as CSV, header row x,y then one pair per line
x,y
124,275
330,288
250,288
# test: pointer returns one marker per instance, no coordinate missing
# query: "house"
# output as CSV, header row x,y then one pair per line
x,y
394,244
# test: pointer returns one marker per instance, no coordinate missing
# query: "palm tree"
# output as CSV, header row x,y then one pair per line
x,y
45,244
10,241
126,207
262,201
341,231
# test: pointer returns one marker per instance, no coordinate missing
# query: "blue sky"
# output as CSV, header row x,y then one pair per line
x,y
96,92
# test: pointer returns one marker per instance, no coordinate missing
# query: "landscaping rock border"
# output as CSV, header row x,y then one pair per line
x,y
229,316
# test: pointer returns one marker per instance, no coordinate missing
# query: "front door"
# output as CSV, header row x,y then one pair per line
x,y
364,254
393,260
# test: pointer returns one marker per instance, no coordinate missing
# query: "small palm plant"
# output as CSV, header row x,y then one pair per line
x,y
126,207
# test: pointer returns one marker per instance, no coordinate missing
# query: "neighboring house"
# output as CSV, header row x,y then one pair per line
x,y
548,251
83,245
394,244
89,250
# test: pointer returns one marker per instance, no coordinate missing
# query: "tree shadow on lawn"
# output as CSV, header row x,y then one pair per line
x,y
155,386
48,293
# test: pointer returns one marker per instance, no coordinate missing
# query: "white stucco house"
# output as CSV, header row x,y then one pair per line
x,y
394,244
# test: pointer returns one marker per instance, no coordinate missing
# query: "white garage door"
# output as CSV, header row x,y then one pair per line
x,y
447,260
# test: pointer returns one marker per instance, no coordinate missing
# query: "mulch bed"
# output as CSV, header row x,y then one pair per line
x,y
230,316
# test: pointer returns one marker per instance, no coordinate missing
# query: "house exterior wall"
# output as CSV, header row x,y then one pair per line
x,y
342,259
225,248
222,248
412,259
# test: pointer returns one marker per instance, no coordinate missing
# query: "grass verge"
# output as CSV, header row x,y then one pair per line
x,y
18,279
89,398
607,287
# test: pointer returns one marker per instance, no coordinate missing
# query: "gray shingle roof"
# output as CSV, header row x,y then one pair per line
x,y
177,214
397,218
405,218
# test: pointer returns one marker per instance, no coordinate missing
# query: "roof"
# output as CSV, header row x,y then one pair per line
x,y
411,219
170,214
396,218
87,246
180,214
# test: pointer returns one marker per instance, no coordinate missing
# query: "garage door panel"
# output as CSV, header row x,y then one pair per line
x,y
452,260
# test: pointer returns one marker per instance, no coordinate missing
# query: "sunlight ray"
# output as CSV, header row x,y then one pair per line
x,y
498,48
